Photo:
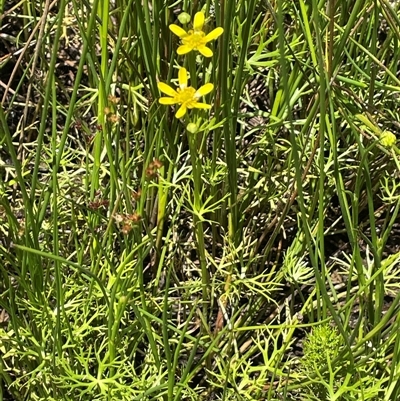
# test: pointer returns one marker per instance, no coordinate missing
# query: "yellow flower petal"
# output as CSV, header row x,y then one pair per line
x,y
203,90
181,111
202,106
177,30
182,78
184,49
205,51
167,100
164,88
198,21
214,34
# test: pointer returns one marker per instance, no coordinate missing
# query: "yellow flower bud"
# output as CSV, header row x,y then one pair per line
x,y
184,18
192,128
387,139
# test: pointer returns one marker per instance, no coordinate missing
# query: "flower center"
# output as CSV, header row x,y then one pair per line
x,y
194,39
186,96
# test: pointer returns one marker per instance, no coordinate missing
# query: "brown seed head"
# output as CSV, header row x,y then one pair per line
x,y
113,99
113,118
134,218
136,195
150,172
156,164
126,229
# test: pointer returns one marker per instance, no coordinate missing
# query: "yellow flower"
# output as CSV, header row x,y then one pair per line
x,y
185,95
196,39
387,139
